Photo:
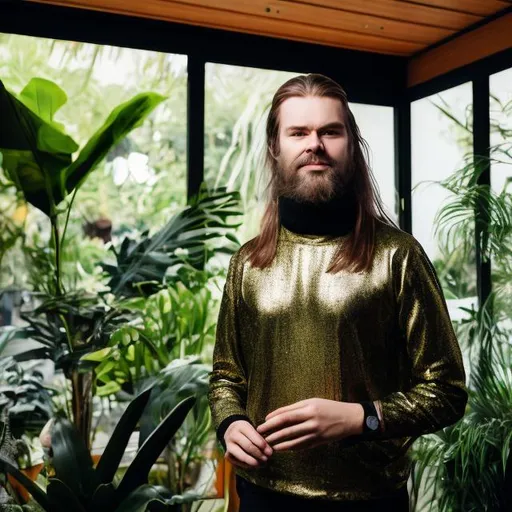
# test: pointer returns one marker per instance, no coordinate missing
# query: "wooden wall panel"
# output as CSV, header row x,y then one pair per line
x,y
487,40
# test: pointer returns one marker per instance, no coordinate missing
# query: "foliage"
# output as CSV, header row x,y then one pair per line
x,y
141,267
69,326
37,153
23,393
77,485
464,465
179,379
37,157
176,322
456,221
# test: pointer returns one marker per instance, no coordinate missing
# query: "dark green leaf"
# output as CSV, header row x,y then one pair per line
x,y
137,473
139,499
71,459
62,498
109,461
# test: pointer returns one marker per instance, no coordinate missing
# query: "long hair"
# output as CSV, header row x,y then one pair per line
x,y
356,253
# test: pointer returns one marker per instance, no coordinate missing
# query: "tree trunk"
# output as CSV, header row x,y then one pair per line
x,y
82,404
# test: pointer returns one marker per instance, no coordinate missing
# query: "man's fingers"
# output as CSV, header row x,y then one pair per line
x,y
236,462
287,408
284,419
240,455
296,444
257,439
289,433
249,447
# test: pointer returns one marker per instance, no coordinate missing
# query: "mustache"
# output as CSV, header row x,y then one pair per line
x,y
314,160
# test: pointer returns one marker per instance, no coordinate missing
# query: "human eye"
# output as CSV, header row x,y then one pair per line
x,y
297,133
332,132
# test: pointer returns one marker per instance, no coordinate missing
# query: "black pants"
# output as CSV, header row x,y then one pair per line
x,y
258,499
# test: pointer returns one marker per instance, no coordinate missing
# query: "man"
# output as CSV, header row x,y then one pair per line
x,y
334,347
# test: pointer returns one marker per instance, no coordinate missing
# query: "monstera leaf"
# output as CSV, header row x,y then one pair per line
x,y
37,154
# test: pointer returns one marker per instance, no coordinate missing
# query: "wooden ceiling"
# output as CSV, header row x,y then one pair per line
x,y
397,27
393,27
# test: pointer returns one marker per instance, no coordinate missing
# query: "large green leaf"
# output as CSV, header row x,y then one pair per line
x,y
109,461
37,155
137,473
122,120
35,152
43,97
71,459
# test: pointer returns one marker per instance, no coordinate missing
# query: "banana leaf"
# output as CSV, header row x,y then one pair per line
x,y
37,154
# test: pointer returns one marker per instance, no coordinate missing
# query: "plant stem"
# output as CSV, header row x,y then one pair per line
x,y
56,242
67,217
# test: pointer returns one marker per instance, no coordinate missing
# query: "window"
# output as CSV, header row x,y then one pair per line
x,y
442,145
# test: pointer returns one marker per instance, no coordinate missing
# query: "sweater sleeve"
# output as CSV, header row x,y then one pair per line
x,y
437,395
227,392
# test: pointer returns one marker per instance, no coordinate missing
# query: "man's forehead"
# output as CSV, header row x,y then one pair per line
x,y
310,111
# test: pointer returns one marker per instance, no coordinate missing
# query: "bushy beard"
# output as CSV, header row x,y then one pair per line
x,y
303,185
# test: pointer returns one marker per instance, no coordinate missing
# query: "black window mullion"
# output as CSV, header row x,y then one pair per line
x,y
481,154
403,169
195,124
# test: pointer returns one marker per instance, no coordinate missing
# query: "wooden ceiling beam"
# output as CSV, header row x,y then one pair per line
x,y
401,11
210,14
478,7
494,37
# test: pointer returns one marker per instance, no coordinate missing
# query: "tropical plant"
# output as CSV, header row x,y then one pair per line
x,y
70,326
185,452
175,322
80,487
463,467
37,157
25,396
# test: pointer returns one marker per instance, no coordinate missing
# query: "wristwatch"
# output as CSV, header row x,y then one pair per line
x,y
371,424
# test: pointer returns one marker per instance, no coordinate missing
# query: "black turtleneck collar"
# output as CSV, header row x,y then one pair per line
x,y
335,217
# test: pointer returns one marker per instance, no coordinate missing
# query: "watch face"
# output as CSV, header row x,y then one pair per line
x,y
372,422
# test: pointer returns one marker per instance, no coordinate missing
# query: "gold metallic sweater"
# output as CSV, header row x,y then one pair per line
x,y
292,331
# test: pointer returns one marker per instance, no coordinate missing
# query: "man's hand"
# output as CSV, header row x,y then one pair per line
x,y
244,446
311,423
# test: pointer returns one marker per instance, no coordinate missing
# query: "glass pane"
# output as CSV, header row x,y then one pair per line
x,y
376,124
442,145
142,181
501,183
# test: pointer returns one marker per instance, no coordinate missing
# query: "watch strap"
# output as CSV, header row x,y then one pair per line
x,y
371,423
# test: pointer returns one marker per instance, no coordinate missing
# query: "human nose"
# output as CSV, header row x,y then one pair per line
x,y
314,142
